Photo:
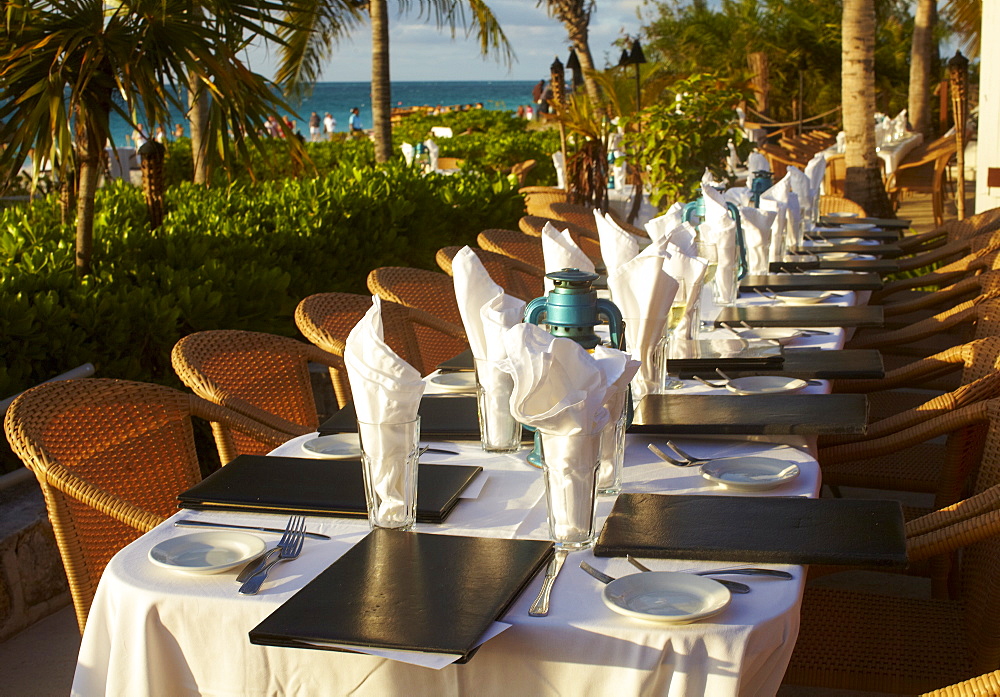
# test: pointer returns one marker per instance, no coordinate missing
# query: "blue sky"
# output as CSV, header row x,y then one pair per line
x,y
419,51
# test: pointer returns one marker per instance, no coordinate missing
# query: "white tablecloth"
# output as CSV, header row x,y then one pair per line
x,y
155,632
892,153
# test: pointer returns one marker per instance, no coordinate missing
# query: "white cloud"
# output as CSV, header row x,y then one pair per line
x,y
419,51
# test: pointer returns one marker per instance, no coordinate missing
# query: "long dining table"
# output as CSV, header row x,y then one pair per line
x,y
152,631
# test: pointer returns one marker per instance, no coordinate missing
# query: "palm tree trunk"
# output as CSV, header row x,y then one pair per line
x,y
198,124
920,66
381,86
89,152
576,18
863,181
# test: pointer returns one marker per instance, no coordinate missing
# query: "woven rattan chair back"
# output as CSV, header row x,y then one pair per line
x,y
111,457
536,198
583,216
516,277
513,244
416,336
263,376
839,204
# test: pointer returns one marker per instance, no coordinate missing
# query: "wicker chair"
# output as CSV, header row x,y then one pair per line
x,y
326,319
588,241
985,685
263,376
111,457
434,294
583,217
517,278
521,169
924,171
838,204
952,230
513,244
867,641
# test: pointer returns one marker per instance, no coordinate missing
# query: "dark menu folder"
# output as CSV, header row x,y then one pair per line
x,y
259,483
802,316
881,222
443,417
726,354
408,591
765,414
463,362
802,281
765,529
880,266
808,363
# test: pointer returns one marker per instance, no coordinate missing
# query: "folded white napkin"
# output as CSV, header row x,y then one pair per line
x,y
780,210
407,149
562,390
473,289
782,193
644,289
684,237
757,236
802,188
617,245
559,251
691,270
757,162
738,195
841,142
432,149
386,390
709,179
815,170
719,227
658,227
559,162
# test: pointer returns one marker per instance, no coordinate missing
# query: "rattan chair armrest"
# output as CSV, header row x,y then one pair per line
x,y
965,509
242,420
58,477
915,373
921,330
956,290
444,326
982,686
314,354
955,536
976,413
940,254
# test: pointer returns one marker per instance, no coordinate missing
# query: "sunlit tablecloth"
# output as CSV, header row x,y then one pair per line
x,y
155,632
892,154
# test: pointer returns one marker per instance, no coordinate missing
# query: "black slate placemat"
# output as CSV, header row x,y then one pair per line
x,y
807,364
879,266
802,316
752,529
803,281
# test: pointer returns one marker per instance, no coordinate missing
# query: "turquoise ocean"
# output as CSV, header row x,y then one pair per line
x,y
339,97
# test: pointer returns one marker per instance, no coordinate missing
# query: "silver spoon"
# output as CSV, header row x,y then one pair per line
x,y
733,586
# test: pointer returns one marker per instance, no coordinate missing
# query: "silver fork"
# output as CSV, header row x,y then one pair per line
x,y
666,458
290,545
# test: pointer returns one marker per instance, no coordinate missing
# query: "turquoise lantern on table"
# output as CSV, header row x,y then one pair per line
x,y
696,209
760,183
572,310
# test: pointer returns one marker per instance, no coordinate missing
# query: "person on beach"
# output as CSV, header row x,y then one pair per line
x,y
354,122
178,130
161,134
329,125
314,124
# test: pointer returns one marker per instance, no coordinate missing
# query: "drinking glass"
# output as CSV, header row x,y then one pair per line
x,y
499,431
571,463
609,475
389,454
667,343
709,310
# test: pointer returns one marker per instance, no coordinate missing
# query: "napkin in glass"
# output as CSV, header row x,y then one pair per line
x,y
780,210
815,169
757,162
644,289
802,188
661,225
562,390
560,251
617,246
473,289
757,235
719,228
691,270
386,390
782,193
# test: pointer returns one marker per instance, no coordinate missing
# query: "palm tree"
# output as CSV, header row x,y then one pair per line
x,y
308,44
575,16
918,108
66,65
863,182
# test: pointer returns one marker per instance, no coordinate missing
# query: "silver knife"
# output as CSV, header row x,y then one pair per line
x,y
210,524
540,608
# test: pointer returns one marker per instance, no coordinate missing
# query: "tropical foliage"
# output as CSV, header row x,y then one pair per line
x,y
801,39
237,257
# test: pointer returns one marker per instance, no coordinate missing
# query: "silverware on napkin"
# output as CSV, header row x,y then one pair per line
x,y
233,526
540,607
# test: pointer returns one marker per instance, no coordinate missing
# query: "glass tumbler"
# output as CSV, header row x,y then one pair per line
x,y
571,464
609,475
389,454
499,431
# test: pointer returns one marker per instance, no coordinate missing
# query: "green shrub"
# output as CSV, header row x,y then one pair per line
x,y
233,257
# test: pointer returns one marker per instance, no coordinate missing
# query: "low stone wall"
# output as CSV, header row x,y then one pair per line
x,y
32,581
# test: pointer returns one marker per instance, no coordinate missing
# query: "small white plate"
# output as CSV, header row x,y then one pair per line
x,y
779,334
339,446
827,272
803,297
750,473
840,256
666,596
765,384
842,214
206,552
858,226
455,382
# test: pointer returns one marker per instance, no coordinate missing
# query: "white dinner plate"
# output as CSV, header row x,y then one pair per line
x,y
858,226
463,381
827,272
749,473
803,297
206,552
338,446
666,596
765,384
840,256
842,214
780,334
